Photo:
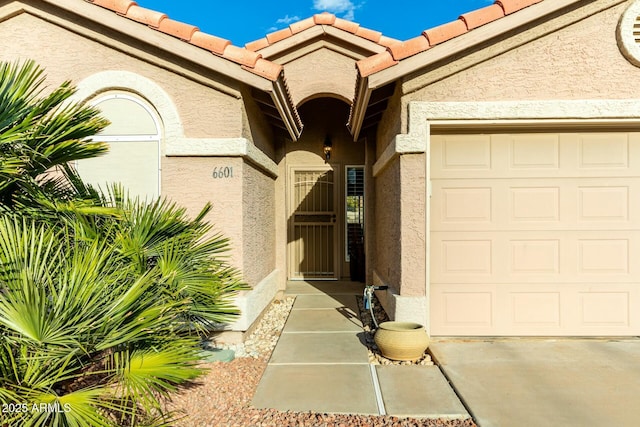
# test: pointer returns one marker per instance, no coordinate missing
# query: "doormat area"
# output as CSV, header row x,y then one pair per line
x,y
375,357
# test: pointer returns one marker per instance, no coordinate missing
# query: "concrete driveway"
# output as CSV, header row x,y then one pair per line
x,y
538,382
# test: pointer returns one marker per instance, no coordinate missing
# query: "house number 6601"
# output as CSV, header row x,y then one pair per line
x,y
222,172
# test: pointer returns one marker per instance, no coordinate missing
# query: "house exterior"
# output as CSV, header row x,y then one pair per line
x,y
487,170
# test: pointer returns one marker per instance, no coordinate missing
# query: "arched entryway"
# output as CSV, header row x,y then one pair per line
x,y
325,195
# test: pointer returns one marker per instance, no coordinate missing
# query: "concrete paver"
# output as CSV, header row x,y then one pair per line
x,y
418,391
321,364
320,287
346,389
338,347
569,382
322,320
326,301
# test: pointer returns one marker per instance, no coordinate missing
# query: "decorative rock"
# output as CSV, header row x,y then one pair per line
x,y
264,338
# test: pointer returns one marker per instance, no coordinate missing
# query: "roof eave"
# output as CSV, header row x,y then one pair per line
x,y
266,79
469,39
284,104
447,49
359,106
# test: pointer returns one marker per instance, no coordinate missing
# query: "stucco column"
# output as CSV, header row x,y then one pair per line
x,y
413,248
370,212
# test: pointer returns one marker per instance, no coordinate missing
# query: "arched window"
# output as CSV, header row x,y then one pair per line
x,y
134,147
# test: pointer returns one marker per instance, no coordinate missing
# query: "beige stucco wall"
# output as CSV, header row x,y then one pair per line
x,y
243,205
204,111
258,223
580,61
189,182
322,71
400,194
413,225
390,124
254,125
388,261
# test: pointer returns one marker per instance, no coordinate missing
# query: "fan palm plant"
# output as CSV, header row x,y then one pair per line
x,y
39,132
103,299
86,339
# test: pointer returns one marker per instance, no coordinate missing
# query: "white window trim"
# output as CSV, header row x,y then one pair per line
x,y
346,225
174,142
157,137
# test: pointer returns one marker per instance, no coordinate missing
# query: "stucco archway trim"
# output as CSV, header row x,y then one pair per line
x,y
174,143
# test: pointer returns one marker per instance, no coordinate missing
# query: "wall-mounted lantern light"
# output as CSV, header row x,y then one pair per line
x,y
328,145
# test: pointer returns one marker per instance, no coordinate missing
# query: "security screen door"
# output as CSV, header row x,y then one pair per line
x,y
312,224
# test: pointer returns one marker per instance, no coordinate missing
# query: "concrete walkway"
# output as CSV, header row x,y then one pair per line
x,y
537,382
320,364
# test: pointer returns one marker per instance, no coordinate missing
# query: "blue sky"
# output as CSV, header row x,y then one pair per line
x,y
242,21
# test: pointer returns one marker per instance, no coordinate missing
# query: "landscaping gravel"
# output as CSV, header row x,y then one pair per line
x,y
222,398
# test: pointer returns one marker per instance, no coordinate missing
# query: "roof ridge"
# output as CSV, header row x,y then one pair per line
x,y
247,59
440,34
324,18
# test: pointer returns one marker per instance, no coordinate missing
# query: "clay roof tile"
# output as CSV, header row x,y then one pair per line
x,y
211,43
324,18
375,63
276,36
241,56
299,26
445,32
348,26
119,6
145,16
479,17
510,6
265,68
368,34
409,48
178,29
388,41
256,45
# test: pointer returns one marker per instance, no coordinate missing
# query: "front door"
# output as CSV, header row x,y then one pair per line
x,y
312,223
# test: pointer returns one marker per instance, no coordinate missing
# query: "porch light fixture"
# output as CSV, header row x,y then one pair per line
x,y
328,144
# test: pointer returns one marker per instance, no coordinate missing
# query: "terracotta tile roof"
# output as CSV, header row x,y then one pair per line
x,y
431,37
247,59
324,18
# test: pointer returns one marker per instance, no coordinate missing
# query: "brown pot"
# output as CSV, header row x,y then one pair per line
x,y
401,340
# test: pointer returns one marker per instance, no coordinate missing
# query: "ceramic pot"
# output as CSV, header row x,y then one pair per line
x,y
401,340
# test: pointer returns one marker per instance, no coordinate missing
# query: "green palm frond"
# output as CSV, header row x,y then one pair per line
x,y
102,297
40,131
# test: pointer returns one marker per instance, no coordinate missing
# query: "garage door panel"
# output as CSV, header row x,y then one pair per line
x,y
603,151
535,256
571,204
535,234
535,155
514,309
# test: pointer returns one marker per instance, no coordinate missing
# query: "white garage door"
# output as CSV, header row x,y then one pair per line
x,y
535,234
